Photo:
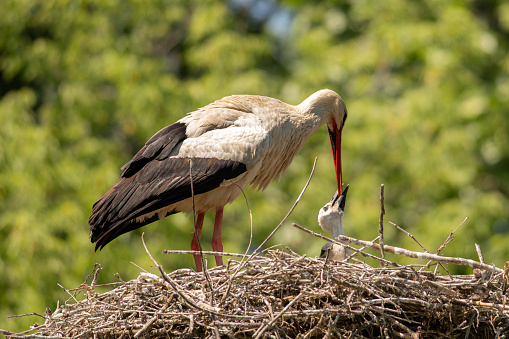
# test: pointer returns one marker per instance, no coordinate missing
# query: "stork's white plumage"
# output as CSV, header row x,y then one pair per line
x,y
330,219
223,147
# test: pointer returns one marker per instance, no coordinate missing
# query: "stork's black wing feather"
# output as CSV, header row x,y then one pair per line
x,y
159,146
151,181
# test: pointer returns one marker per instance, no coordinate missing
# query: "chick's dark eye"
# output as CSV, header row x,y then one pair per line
x,y
325,208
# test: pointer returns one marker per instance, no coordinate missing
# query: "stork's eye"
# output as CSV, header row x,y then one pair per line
x,y
325,208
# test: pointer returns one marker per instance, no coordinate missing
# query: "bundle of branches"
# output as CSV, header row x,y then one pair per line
x,y
285,295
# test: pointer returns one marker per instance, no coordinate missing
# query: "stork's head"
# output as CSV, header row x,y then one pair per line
x,y
331,109
330,217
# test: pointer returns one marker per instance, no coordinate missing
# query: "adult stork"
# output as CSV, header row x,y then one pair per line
x,y
330,219
213,153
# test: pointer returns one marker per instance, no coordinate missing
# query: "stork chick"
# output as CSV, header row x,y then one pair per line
x,y
330,219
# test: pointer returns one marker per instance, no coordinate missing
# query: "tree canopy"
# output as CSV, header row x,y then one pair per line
x,y
83,84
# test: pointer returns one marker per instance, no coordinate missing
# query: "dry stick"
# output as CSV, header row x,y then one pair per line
x,y
227,293
203,307
358,250
29,336
150,322
420,255
506,277
259,332
194,211
67,291
450,237
410,235
381,221
96,275
448,240
287,215
405,252
479,253
198,305
417,241
91,272
205,273
250,222
225,254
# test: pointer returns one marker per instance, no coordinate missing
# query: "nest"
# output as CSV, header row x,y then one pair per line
x,y
285,295
280,294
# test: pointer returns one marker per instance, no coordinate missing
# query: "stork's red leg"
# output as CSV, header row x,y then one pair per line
x,y
194,243
217,245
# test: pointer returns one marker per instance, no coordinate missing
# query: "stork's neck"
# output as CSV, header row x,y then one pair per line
x,y
338,228
313,112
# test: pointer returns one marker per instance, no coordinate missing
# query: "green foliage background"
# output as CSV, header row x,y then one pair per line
x,y
83,84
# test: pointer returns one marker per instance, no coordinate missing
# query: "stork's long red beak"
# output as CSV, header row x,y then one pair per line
x,y
335,141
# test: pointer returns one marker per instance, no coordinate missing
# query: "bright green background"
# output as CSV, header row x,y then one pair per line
x,y
83,84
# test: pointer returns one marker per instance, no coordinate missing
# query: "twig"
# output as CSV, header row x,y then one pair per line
x,y
96,274
381,222
91,272
198,305
203,262
26,315
424,249
506,277
150,322
67,291
418,255
410,235
479,253
227,293
139,267
13,335
358,250
287,215
224,254
450,237
264,327
448,240
175,286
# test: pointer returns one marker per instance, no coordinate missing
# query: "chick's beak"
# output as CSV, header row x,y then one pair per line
x,y
340,199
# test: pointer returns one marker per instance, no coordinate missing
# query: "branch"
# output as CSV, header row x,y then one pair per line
x,y
381,221
419,255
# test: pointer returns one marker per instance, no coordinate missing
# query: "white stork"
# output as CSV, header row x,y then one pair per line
x,y
330,219
230,143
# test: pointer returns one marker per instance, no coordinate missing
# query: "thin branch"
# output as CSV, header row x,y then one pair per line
x,y
424,249
448,240
450,237
479,253
264,327
381,221
358,250
194,212
419,255
410,235
287,215
506,277
224,254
